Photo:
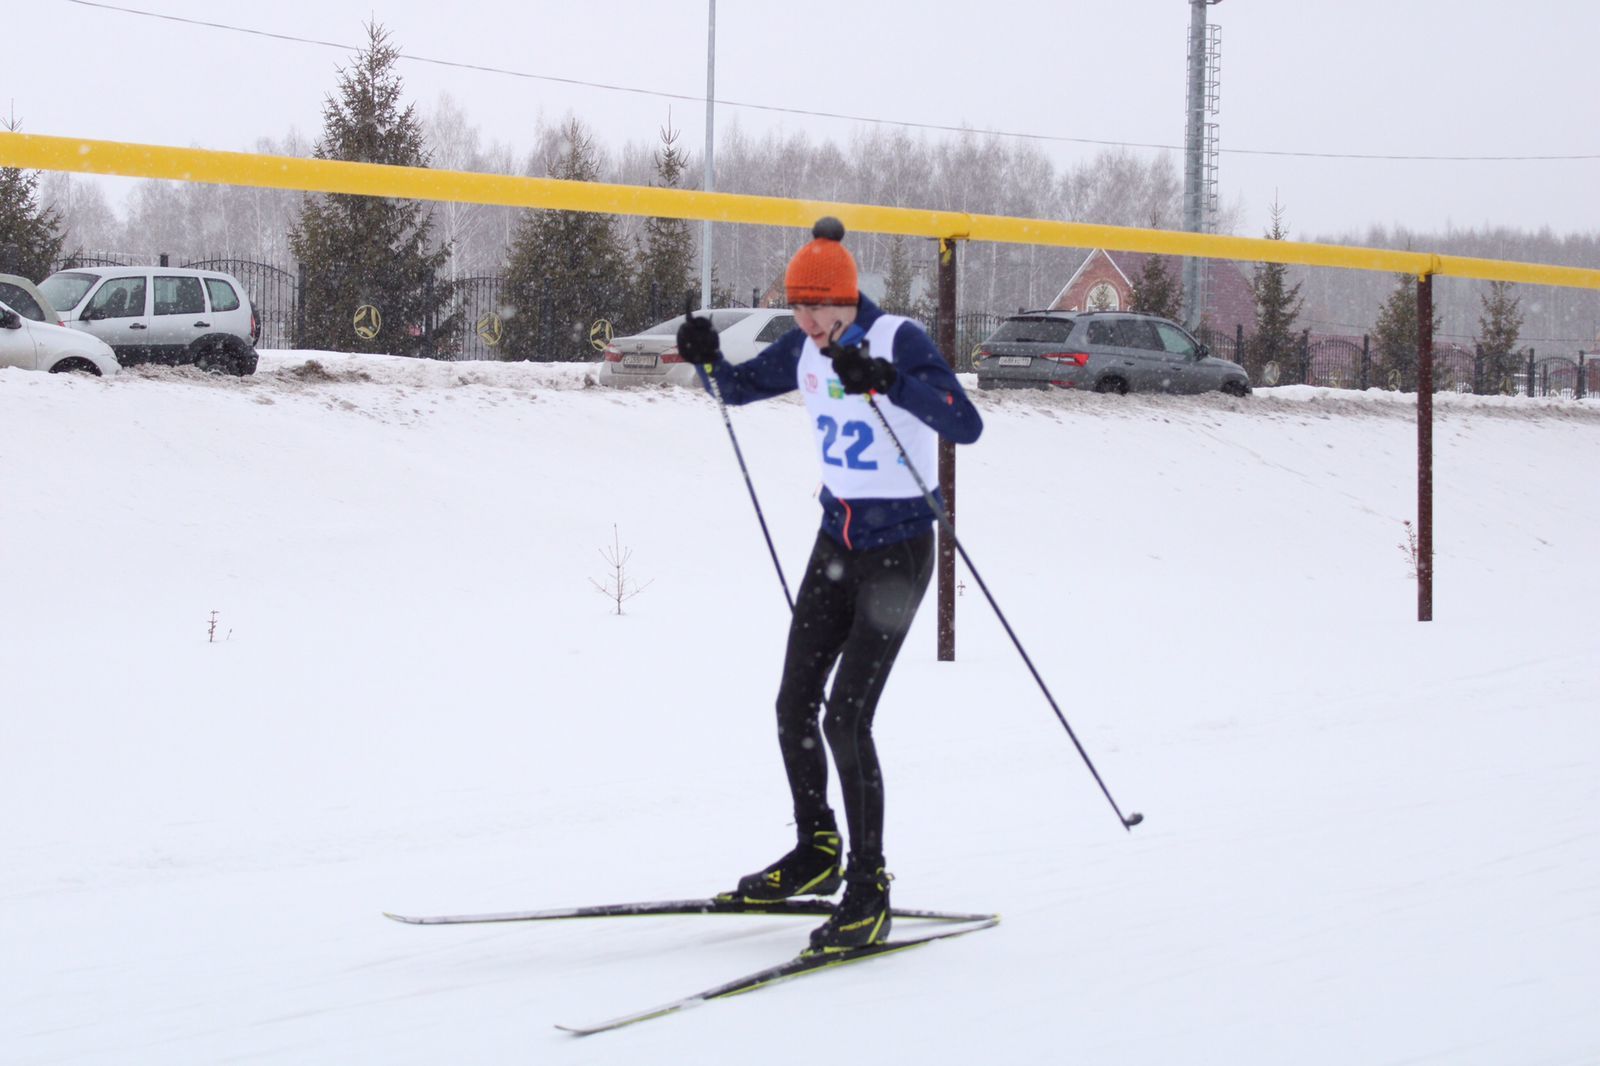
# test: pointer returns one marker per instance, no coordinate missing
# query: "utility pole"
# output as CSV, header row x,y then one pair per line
x,y
1200,153
710,184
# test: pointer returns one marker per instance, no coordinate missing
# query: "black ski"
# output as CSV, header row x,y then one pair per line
x,y
815,908
795,967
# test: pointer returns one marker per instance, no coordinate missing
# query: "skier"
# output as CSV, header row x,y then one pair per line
x,y
868,570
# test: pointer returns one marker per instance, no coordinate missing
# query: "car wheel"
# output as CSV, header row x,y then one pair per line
x,y
217,356
1235,388
1112,383
75,366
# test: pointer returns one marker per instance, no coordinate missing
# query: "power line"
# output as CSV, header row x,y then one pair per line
x,y
776,109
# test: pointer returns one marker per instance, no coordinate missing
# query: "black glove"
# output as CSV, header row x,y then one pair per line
x,y
858,371
697,341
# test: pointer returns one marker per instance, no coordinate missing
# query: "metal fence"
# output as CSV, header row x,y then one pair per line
x,y
1327,361
972,329
274,294
1347,362
477,303
1556,375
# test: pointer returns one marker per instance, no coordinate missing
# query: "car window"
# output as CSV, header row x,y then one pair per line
x,y
64,290
179,296
1037,330
1100,332
774,329
21,301
117,298
223,298
1174,339
1137,333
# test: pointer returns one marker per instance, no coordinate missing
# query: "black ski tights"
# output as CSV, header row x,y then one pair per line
x,y
854,608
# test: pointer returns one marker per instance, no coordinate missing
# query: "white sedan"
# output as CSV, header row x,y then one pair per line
x,y
49,346
651,357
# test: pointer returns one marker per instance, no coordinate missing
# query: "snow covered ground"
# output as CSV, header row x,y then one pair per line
x,y
1367,840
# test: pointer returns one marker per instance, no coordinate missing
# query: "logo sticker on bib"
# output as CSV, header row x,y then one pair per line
x,y
811,383
835,390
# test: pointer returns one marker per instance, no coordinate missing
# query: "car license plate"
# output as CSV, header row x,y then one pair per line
x,y
1016,360
639,361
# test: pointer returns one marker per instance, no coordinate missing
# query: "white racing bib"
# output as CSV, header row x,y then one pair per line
x,y
859,460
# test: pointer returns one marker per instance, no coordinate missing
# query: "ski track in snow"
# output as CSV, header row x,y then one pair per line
x,y
1368,840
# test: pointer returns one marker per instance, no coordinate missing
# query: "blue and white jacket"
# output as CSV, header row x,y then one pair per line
x,y
869,499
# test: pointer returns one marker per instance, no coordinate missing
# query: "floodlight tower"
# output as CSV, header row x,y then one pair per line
x,y
1200,152
710,174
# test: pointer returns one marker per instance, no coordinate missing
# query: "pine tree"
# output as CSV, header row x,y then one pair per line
x,y
666,257
1157,291
1278,306
365,251
902,276
30,234
1499,327
1395,335
566,269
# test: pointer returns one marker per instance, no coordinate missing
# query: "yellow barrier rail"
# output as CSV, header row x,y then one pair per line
x,y
41,152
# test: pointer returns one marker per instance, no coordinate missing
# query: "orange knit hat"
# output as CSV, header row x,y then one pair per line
x,y
823,272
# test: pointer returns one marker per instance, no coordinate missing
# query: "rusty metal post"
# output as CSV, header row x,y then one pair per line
x,y
946,339
1425,448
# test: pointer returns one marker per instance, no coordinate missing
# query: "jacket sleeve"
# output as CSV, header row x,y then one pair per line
x,y
772,373
925,386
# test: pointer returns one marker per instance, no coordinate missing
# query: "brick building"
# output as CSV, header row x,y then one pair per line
x,y
1105,283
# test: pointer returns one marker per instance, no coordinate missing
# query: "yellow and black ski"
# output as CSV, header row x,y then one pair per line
x,y
784,971
816,908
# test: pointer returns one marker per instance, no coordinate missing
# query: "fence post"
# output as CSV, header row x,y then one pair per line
x,y
1305,357
1530,371
1477,370
1425,448
165,260
546,327
300,306
1366,361
947,460
1580,374
427,316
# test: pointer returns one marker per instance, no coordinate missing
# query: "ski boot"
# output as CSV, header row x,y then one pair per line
x,y
811,869
861,918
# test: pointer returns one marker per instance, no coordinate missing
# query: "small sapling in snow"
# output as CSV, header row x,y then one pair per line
x,y
1409,548
617,586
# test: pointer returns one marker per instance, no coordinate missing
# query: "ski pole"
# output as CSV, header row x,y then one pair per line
x,y
1128,821
711,384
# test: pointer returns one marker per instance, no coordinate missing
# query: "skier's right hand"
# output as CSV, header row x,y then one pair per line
x,y
697,341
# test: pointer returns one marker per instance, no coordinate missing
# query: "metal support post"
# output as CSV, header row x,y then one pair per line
x,y
1425,448
947,458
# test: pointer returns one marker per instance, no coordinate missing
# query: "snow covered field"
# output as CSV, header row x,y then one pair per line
x,y
1367,840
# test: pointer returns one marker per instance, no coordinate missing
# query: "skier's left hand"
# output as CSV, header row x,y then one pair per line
x,y
859,371
697,341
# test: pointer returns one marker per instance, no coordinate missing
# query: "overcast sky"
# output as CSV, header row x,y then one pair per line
x,y
1358,77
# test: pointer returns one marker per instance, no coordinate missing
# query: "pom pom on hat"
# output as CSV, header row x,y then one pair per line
x,y
828,228
823,272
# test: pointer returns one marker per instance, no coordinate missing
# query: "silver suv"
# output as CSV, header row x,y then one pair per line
x,y
1102,351
167,315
